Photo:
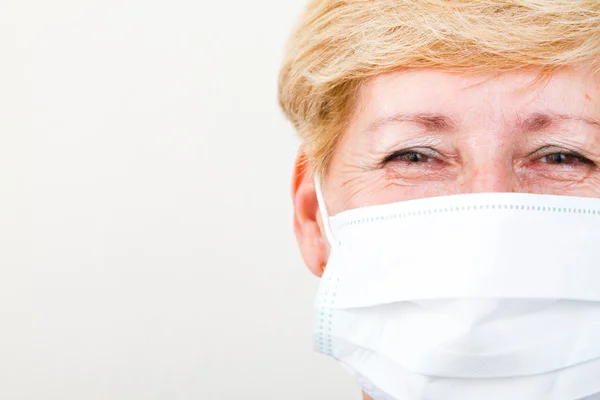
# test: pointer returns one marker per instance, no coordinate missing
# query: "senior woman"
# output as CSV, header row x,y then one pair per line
x,y
446,192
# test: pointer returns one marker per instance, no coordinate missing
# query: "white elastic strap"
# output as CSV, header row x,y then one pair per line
x,y
324,215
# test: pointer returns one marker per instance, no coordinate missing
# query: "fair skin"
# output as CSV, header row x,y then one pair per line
x,y
425,133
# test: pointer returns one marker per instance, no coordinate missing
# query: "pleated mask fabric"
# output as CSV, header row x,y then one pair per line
x,y
478,296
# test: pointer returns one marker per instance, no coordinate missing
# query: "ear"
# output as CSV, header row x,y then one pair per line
x,y
307,218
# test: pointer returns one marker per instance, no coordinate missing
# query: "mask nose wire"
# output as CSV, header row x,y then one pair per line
x,y
324,215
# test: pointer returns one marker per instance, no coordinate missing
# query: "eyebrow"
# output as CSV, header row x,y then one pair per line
x,y
439,123
432,122
539,121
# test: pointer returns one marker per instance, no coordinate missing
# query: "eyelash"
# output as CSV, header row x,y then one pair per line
x,y
565,156
397,155
422,152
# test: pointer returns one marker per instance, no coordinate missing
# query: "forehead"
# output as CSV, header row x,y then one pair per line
x,y
567,90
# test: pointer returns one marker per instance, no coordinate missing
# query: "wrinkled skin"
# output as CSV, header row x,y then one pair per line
x,y
423,133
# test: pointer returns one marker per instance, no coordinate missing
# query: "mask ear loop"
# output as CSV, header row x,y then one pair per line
x,y
324,215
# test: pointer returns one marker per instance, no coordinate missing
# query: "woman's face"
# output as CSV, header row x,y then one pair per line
x,y
425,133
428,133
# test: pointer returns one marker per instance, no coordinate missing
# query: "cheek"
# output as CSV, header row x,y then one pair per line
x,y
579,179
589,187
358,189
367,188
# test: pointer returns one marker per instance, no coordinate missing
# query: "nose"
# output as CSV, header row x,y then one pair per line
x,y
491,176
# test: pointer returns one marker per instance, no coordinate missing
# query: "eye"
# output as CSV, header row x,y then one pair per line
x,y
419,165
564,158
411,156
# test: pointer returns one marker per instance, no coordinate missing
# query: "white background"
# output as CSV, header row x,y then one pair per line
x,y
146,246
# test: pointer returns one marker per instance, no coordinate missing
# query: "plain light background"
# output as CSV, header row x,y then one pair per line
x,y
145,218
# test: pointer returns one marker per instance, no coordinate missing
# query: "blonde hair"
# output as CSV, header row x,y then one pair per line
x,y
341,43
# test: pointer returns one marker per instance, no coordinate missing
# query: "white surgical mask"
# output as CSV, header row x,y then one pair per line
x,y
490,296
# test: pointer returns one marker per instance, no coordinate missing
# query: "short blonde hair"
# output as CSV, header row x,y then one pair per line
x,y
340,43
